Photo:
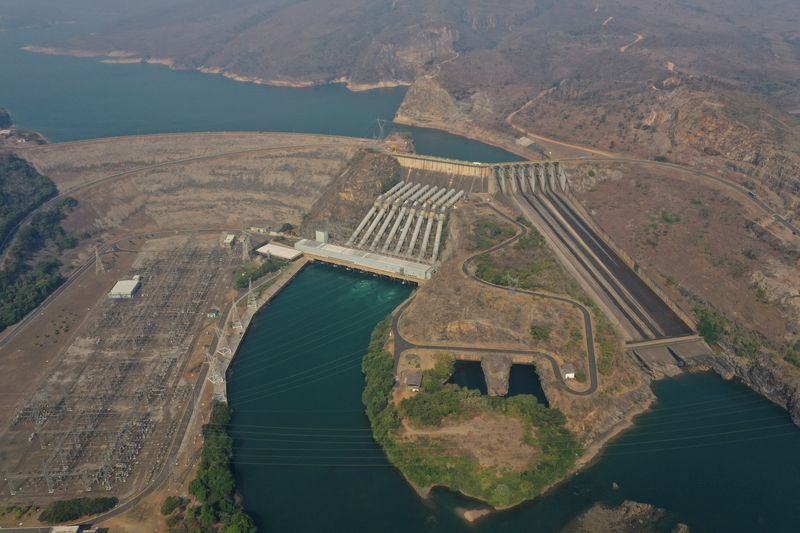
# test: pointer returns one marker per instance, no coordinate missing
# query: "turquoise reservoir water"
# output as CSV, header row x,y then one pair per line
x,y
717,456
68,99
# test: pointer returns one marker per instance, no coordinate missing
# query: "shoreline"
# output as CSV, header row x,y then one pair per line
x,y
588,458
121,57
276,285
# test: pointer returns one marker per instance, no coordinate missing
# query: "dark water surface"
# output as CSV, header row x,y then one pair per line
x,y
469,374
69,99
716,455
524,380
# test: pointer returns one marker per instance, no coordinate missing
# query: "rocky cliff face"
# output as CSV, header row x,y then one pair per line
x,y
769,377
683,119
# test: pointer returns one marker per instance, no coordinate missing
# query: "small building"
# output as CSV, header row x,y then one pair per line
x,y
259,229
569,371
281,252
125,289
322,236
229,240
414,381
212,313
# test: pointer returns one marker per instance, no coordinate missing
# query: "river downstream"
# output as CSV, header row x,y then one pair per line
x,y
716,455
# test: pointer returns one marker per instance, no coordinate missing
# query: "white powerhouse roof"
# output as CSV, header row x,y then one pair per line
x,y
125,286
281,252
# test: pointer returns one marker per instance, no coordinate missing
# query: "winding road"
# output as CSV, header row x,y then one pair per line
x,y
401,344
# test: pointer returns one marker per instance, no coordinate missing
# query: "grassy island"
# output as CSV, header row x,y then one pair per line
x,y
421,434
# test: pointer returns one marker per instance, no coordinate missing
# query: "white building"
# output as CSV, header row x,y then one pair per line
x,y
281,252
124,289
569,371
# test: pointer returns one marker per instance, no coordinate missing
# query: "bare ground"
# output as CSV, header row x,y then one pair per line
x,y
699,245
494,440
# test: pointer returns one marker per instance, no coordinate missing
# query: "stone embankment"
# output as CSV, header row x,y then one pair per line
x,y
232,336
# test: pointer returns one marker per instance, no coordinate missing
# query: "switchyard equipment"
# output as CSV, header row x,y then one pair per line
x,y
106,417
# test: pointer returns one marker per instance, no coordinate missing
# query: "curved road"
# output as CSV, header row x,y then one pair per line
x,y
63,194
402,344
113,247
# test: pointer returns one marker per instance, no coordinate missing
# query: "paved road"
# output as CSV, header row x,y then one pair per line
x,y
401,344
108,248
63,194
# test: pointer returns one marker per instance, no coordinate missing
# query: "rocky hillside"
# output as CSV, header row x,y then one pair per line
x,y
679,118
707,82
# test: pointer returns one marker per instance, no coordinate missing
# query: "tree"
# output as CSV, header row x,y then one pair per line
x,y
710,324
198,489
240,523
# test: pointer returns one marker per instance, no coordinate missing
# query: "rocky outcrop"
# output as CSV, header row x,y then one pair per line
x,y
769,377
629,516
5,119
496,369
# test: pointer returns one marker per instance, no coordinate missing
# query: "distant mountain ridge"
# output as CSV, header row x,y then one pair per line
x,y
486,59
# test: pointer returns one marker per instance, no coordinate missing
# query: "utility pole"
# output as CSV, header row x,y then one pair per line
x,y
251,297
381,124
99,267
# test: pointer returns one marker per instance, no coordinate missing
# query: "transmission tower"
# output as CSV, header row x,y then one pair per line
x,y
222,346
236,322
214,374
245,247
381,124
99,267
251,297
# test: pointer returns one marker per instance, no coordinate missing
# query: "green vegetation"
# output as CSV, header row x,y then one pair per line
x,y
253,270
529,265
669,218
429,462
661,159
18,511
487,233
714,328
710,324
68,510
286,227
791,352
22,189
26,281
171,503
213,487
540,331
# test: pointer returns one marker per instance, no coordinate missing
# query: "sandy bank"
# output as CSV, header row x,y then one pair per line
x,y
122,57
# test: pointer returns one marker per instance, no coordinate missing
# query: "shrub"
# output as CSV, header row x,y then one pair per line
x,y
540,332
710,324
67,510
171,503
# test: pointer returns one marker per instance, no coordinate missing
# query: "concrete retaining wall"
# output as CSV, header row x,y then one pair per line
x,y
446,166
631,263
